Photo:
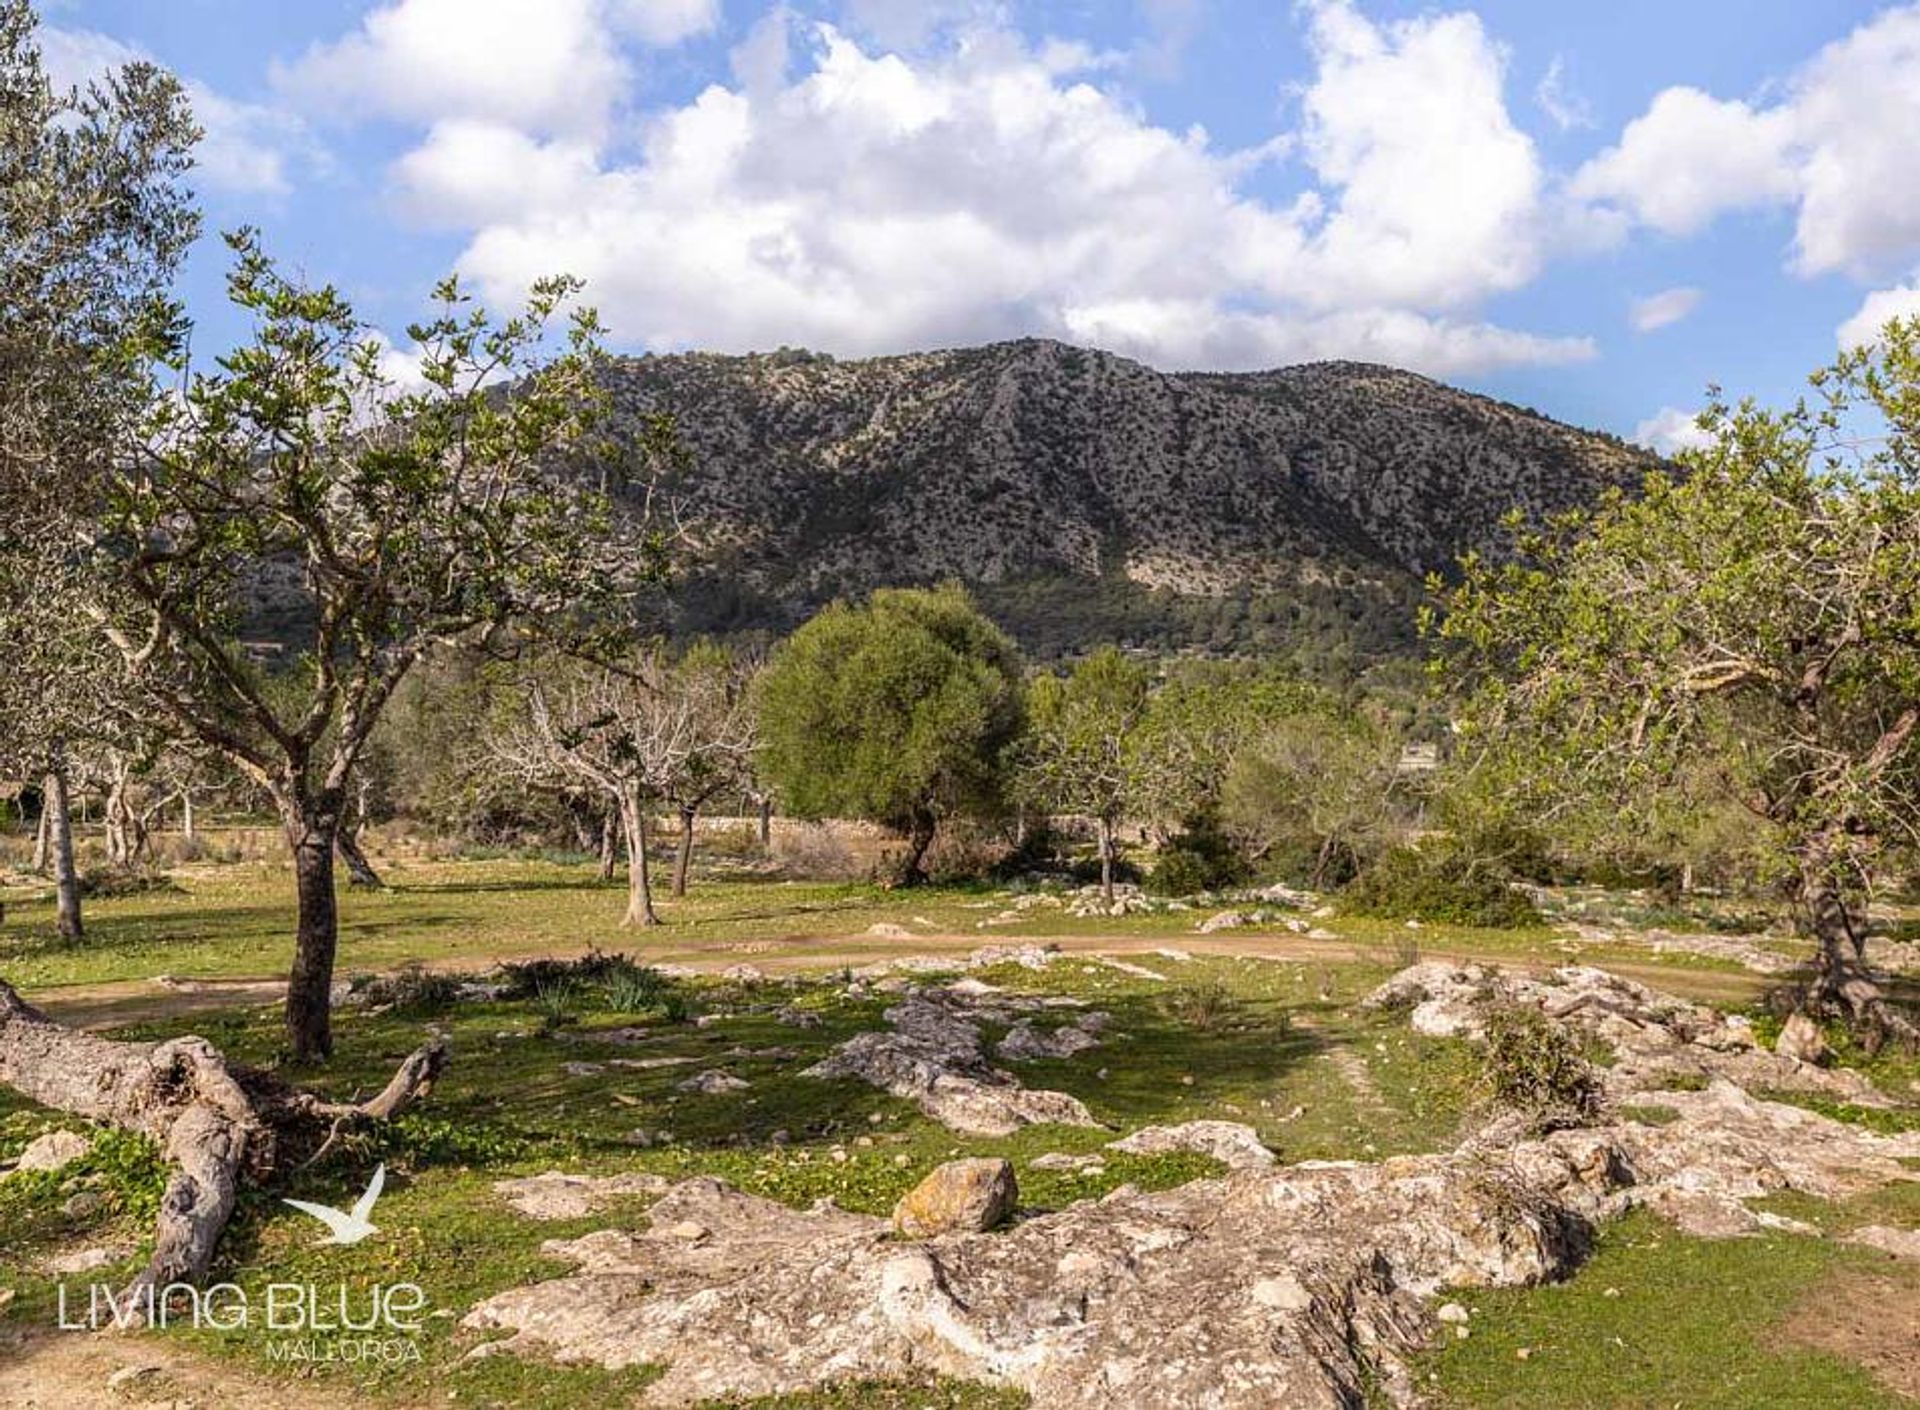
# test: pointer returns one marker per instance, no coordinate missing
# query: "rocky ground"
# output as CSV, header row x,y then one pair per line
x,y
1297,1285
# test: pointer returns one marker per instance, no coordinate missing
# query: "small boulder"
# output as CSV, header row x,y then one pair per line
x,y
1800,1039
713,1083
962,1196
53,1151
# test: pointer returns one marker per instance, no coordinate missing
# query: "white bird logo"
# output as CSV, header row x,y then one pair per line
x,y
353,1226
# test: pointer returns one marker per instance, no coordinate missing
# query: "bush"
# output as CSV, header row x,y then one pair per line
x,y
632,988
1445,888
1534,1066
1199,859
816,852
527,978
414,989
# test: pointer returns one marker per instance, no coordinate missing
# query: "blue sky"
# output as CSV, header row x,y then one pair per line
x,y
1595,210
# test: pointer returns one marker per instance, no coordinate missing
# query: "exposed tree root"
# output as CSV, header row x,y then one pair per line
x,y
216,1123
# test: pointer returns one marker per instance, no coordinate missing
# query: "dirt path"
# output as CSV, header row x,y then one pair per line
x,y
95,1371
143,1001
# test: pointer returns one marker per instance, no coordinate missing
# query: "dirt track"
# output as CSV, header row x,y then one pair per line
x,y
141,1001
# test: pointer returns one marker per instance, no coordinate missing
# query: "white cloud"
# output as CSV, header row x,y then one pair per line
x,y
1438,194
1837,146
1689,158
666,22
1670,430
1659,310
246,148
1876,311
549,68
871,202
1564,108
454,180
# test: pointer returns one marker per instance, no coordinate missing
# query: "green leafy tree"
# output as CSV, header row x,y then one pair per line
x,y
94,219
1758,615
408,519
898,710
1323,779
1082,750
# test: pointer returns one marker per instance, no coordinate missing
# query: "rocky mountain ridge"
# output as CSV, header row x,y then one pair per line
x,y
1034,462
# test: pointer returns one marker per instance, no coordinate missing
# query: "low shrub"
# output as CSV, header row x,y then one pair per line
x,y
413,989
1200,859
1535,1066
816,852
1204,1006
1444,888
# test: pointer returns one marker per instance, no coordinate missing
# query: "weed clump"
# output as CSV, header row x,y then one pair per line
x,y
1205,1006
1535,1067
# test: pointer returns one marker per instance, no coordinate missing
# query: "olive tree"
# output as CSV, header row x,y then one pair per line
x,y
1756,613
407,519
94,219
898,710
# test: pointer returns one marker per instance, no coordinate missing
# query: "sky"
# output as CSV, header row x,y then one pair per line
x,y
1595,210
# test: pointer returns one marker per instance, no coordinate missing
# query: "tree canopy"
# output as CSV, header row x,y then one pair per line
x,y
1756,612
898,710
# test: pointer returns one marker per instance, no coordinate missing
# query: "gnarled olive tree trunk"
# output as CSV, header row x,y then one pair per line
x,y
312,834
217,1125
360,871
1842,982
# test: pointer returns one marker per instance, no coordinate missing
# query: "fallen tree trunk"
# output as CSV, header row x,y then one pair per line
x,y
216,1123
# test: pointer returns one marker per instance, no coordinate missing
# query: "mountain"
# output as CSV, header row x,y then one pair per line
x,y
1084,496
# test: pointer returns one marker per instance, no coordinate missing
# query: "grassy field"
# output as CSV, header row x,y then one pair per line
x,y
1270,1037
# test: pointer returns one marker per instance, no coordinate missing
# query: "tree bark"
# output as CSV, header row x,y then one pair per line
x,y
633,820
216,1124
360,872
186,815
920,833
1842,982
40,835
609,842
1106,861
683,859
66,876
312,833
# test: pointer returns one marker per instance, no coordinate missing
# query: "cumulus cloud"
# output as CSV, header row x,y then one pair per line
x,y
1836,146
246,148
1660,310
874,201
551,68
1690,158
1670,431
1878,309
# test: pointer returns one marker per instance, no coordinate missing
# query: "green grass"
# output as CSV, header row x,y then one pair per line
x,y
508,1106
1277,1043
1688,1322
236,921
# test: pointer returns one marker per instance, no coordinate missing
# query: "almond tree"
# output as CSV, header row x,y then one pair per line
x,y
1081,753
641,731
1755,617
411,519
93,219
